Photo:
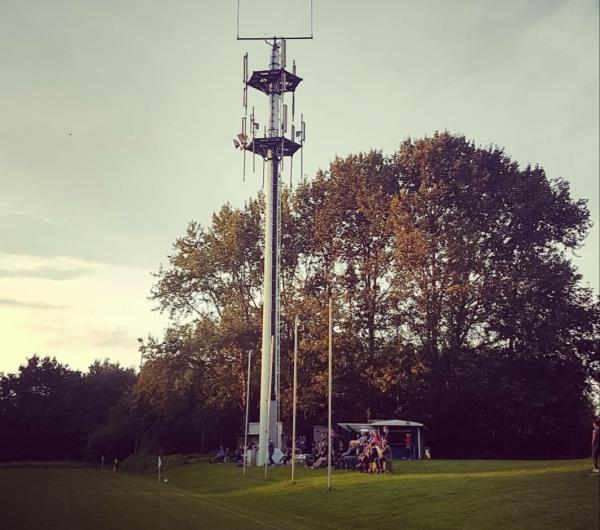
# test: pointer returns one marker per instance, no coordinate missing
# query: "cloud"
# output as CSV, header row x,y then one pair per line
x,y
112,337
47,273
11,302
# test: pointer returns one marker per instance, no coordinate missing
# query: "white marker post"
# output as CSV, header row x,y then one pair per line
x,y
330,386
247,408
159,465
294,398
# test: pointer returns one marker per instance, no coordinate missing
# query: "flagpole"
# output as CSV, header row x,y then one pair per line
x,y
247,408
294,400
330,385
159,465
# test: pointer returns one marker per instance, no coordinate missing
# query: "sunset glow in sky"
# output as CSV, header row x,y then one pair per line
x,y
118,118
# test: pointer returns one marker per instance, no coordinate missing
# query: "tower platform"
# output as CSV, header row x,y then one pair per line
x,y
263,79
281,145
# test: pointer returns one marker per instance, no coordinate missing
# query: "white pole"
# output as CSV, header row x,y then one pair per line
x,y
271,228
269,410
330,385
294,399
158,469
247,408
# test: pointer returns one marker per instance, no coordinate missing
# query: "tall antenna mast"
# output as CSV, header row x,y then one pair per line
x,y
272,147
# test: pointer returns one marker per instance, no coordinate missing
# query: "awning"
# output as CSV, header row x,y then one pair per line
x,y
357,427
396,423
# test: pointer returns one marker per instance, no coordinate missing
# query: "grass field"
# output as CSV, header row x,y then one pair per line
x,y
421,495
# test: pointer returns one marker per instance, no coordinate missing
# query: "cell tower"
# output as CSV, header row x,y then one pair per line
x,y
272,144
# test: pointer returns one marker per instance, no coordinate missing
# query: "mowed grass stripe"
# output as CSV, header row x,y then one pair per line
x,y
65,499
163,489
469,495
434,494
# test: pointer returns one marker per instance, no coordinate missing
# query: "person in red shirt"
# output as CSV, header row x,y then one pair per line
x,y
408,444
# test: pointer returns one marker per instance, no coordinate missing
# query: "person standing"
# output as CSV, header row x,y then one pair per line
x,y
596,445
386,457
408,445
271,452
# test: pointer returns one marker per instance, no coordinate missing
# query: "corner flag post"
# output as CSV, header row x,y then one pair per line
x,y
294,399
330,385
159,465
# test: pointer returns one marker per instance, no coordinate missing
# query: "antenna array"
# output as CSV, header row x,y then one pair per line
x,y
283,137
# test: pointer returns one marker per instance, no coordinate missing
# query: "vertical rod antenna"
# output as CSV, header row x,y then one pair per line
x,y
301,146
253,151
244,133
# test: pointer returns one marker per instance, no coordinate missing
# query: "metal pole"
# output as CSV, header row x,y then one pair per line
x,y
294,400
269,410
330,386
270,274
247,408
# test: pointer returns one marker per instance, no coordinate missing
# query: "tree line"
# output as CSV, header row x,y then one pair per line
x,y
50,412
456,305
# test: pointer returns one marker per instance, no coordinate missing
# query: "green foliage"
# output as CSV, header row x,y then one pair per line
x,y
456,304
48,411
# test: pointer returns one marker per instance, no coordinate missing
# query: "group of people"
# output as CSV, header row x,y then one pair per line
x,y
224,455
370,452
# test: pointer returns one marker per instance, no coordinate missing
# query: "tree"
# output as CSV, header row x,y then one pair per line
x,y
455,300
48,411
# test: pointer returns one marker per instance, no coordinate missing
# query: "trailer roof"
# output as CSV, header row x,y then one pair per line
x,y
380,423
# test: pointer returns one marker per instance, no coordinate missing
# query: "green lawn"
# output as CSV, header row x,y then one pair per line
x,y
436,494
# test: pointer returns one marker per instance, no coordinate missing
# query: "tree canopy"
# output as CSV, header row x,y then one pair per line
x,y
456,300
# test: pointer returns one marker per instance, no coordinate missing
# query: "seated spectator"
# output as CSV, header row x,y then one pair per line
x,y
287,456
364,459
321,460
219,458
349,459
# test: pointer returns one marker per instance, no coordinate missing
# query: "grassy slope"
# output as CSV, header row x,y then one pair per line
x,y
422,495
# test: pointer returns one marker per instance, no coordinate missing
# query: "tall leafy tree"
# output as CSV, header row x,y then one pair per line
x,y
455,299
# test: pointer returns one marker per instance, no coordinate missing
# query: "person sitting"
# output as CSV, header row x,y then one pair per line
x,y
364,459
287,456
238,455
322,460
348,459
219,458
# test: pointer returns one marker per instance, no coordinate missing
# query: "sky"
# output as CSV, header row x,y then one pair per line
x,y
117,119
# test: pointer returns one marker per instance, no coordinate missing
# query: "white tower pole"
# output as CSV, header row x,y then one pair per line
x,y
271,276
